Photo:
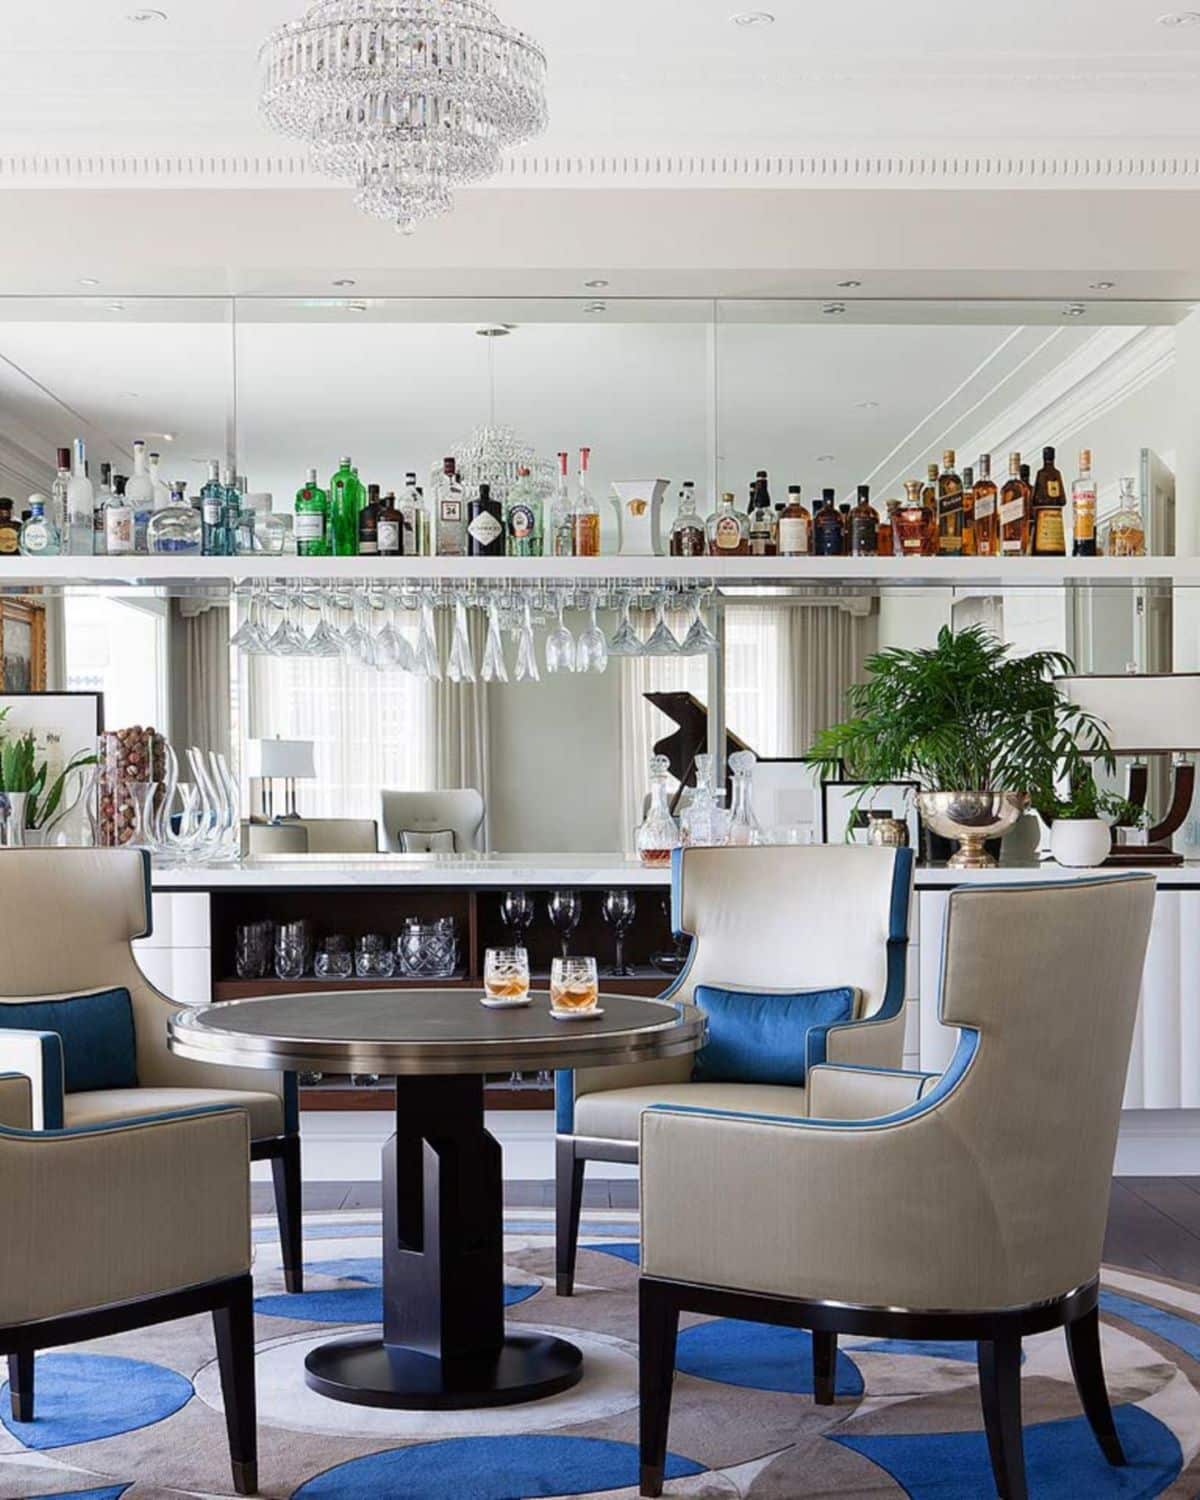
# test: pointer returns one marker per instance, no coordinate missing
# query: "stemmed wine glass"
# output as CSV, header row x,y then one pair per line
x,y
560,644
662,640
494,667
625,640
699,640
591,649
618,910
564,910
516,912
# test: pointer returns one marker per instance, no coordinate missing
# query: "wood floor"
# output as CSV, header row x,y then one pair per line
x,y
1153,1222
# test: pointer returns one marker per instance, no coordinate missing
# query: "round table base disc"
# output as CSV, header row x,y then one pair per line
x,y
366,1372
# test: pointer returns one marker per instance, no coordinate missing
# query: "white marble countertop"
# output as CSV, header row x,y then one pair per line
x,y
326,871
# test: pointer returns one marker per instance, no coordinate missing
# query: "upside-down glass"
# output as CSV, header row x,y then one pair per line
x,y
560,644
494,667
506,974
626,641
591,649
461,666
574,987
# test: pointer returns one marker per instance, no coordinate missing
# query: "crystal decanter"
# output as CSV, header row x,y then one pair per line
x,y
743,825
659,834
704,823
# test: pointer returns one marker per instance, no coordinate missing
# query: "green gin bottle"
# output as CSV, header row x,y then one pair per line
x,y
524,517
312,519
347,498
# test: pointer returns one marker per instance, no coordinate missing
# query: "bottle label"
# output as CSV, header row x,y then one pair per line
x,y
1048,537
8,540
728,534
212,512
521,522
793,536
368,546
36,537
485,530
389,539
1053,489
864,538
450,509
310,526
1012,510
1083,501
118,530
985,506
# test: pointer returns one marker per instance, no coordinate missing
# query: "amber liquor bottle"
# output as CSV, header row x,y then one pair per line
x,y
887,530
762,519
929,493
985,520
916,523
864,526
1048,506
10,529
368,524
1083,508
1014,511
795,526
949,508
829,532
968,537
728,529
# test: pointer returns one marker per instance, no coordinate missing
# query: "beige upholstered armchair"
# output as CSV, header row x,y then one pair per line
x,y
970,1206
765,921
84,1024
123,1224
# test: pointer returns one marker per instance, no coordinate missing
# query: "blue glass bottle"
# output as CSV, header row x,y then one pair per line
x,y
212,511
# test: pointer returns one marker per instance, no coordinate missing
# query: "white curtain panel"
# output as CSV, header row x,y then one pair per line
x,y
462,754
203,718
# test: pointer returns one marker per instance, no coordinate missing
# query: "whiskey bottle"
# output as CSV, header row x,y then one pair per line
x,y
864,526
968,484
368,524
389,527
795,526
728,529
450,513
1083,508
1014,511
949,508
562,533
688,537
585,513
10,530
916,533
829,530
762,541
929,495
485,525
1049,503
986,523
312,518
1127,530
887,531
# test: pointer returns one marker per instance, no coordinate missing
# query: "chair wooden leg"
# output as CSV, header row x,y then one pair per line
x,y
233,1325
658,1329
568,1204
1000,1390
285,1169
1087,1366
20,1385
824,1358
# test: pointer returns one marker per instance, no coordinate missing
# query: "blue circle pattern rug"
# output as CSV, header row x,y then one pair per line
x,y
139,1416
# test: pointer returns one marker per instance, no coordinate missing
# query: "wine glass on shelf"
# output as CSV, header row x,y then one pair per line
x,y
618,909
516,912
625,641
564,910
699,640
591,649
560,644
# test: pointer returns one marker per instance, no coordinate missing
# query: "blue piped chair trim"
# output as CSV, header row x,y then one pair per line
x,y
960,1063
106,1127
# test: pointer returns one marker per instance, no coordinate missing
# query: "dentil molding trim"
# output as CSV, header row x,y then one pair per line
x,y
853,169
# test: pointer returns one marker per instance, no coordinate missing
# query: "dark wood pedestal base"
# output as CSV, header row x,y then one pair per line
x,y
444,1345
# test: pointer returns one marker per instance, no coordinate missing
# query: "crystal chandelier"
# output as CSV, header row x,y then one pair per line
x,y
406,98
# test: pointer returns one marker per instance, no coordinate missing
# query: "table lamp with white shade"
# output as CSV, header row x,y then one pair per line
x,y
286,760
1148,714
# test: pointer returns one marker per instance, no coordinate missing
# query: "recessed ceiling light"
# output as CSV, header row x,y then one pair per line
x,y
867,405
1102,286
167,437
1180,18
1074,310
849,284
494,330
346,281
752,18
89,281
139,17
834,309
596,285
826,458
596,307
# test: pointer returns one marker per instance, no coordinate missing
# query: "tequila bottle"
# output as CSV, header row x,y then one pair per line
x,y
451,512
688,538
118,521
485,525
949,508
562,532
312,519
139,492
985,515
1083,508
523,523
585,513
728,529
1049,502
346,499
1014,511
212,511
79,533
1127,530
795,526
57,511
39,534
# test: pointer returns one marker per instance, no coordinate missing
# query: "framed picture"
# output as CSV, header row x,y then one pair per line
x,y
22,646
847,806
787,795
63,724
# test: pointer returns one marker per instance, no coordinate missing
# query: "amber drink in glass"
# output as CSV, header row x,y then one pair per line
x,y
506,974
574,987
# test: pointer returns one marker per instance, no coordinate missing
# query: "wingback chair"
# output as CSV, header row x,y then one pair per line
x,y
761,920
970,1206
84,1024
122,1224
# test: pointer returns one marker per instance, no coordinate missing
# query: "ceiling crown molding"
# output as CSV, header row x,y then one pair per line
x,y
899,169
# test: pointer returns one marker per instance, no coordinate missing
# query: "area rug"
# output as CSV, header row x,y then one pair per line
x,y
139,1416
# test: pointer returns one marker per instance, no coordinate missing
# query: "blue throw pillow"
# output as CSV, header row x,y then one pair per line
x,y
762,1038
98,1045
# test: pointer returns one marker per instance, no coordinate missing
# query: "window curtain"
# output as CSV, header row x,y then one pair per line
x,y
824,651
200,712
461,749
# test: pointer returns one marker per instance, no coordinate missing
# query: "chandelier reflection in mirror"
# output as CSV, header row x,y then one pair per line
x,y
407,99
394,627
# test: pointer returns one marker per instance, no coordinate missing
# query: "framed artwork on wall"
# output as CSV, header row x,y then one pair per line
x,y
787,797
22,646
63,724
847,806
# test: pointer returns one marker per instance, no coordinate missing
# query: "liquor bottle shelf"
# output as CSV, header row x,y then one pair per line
x,y
219,574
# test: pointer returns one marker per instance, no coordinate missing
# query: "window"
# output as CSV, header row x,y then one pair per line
x,y
118,647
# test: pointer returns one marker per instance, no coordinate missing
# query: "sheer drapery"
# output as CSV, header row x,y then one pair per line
x,y
201,712
462,751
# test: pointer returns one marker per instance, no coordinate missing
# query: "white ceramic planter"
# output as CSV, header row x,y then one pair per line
x,y
1080,843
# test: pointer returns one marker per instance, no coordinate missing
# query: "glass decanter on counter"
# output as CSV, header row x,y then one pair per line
x,y
743,825
658,835
704,823
1127,530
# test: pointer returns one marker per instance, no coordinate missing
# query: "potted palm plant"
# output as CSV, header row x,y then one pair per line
x,y
977,726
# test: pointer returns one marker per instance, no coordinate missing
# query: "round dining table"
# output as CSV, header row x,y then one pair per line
x,y
444,1344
